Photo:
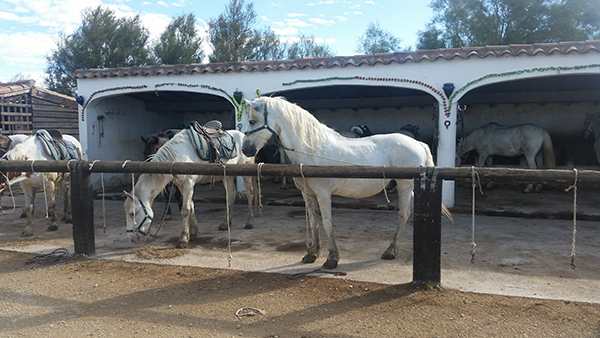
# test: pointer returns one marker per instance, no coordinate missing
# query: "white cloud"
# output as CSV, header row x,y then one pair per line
x,y
180,3
162,3
295,15
330,40
340,18
156,23
357,13
287,31
370,2
321,21
8,16
296,22
328,2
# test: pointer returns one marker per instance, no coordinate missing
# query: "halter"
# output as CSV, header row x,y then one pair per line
x,y
267,127
146,217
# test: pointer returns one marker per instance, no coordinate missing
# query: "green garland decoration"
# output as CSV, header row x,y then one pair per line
x,y
518,72
104,91
381,79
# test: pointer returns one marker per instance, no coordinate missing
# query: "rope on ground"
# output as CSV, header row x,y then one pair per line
x,y
319,270
249,312
574,187
57,256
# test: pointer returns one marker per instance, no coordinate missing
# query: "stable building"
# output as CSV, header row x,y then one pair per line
x,y
446,93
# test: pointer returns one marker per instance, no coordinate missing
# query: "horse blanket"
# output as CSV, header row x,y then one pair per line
x,y
212,144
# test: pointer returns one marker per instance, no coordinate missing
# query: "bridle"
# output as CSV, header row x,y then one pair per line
x,y
267,127
146,218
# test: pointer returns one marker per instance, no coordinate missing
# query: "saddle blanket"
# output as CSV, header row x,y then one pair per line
x,y
59,149
224,143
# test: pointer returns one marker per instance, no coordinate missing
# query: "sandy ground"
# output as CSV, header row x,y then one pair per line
x,y
529,258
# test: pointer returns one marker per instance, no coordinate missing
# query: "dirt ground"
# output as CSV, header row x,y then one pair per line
x,y
520,284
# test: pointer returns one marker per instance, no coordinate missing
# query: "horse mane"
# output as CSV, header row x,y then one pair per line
x,y
166,153
303,123
19,152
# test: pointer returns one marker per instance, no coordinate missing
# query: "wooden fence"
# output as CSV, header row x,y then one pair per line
x,y
427,204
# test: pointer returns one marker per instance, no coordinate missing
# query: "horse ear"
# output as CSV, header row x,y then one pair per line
x,y
257,106
144,139
128,195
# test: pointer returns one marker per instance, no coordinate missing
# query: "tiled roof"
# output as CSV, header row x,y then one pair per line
x,y
580,47
22,86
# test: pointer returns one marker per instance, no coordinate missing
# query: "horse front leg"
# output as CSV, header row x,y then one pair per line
x,y
29,193
65,187
51,200
405,206
250,196
230,200
187,209
532,165
314,247
325,207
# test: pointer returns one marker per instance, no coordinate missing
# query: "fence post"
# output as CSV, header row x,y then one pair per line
x,y
82,207
427,238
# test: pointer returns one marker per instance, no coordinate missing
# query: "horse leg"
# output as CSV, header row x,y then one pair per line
x,y
51,200
531,163
405,205
29,193
250,193
187,208
231,193
24,213
325,208
65,190
314,248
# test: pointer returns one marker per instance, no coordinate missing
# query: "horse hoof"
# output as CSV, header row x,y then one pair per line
x,y
249,226
182,245
388,256
23,215
330,264
309,258
52,228
223,227
26,234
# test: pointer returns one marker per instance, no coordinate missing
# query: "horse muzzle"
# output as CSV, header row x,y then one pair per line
x,y
137,238
249,149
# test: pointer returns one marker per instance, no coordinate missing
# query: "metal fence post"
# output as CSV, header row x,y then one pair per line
x,y
427,238
82,207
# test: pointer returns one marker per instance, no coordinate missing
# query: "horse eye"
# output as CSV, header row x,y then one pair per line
x,y
251,122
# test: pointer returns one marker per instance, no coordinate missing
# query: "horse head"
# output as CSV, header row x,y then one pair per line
x,y
139,219
591,124
153,142
258,132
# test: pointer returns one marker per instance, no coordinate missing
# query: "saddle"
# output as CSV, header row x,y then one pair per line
x,y
56,146
5,144
211,142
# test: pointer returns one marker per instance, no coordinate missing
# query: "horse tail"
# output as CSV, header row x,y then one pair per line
x,y
429,160
548,156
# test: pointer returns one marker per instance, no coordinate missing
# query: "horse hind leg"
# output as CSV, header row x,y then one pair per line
x,y
65,190
29,193
405,206
51,200
334,255
187,209
250,194
231,192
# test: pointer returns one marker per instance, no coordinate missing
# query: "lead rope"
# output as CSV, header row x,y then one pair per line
x,y
164,217
383,184
258,175
475,181
574,187
230,257
103,196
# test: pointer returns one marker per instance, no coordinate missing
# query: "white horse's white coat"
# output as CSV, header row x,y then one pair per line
x,y
307,141
31,148
138,205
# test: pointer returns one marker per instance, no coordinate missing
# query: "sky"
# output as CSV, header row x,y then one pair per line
x,y
29,28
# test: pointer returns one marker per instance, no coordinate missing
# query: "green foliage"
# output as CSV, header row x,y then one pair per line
x,y
102,41
306,47
180,43
460,23
377,40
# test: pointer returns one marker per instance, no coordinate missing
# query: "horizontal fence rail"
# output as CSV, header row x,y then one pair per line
x,y
427,191
510,175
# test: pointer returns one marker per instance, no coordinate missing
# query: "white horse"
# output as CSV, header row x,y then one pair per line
x,y
138,204
524,139
307,141
592,127
34,148
13,140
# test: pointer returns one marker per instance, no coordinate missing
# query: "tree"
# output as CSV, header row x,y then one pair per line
x,y
306,47
377,40
460,23
19,77
180,43
102,41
